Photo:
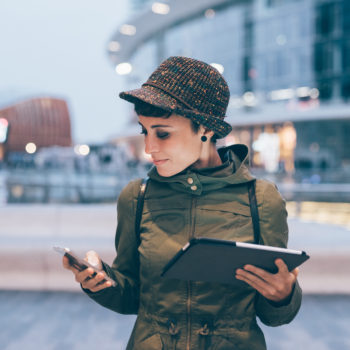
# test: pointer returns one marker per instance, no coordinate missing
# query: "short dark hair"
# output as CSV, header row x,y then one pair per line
x,y
148,110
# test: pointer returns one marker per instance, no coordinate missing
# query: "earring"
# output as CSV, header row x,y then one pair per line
x,y
204,138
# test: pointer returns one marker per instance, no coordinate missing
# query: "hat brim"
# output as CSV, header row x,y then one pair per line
x,y
159,98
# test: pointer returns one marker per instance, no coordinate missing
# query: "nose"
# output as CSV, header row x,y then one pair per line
x,y
151,145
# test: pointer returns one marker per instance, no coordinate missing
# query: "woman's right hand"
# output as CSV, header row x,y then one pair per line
x,y
85,277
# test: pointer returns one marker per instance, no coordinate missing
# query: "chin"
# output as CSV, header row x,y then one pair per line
x,y
168,173
165,173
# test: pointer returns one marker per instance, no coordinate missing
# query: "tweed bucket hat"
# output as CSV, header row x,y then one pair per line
x,y
190,88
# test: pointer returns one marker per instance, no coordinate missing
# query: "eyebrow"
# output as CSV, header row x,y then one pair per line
x,y
157,126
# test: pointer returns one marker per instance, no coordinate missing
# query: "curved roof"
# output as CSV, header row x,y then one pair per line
x,y
44,121
149,24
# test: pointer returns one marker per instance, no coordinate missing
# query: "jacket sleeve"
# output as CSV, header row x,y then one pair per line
x,y
274,232
124,297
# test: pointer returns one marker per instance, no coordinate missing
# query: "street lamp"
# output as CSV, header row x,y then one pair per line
x,y
30,147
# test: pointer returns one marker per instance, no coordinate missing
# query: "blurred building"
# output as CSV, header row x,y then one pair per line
x,y
35,123
287,63
139,5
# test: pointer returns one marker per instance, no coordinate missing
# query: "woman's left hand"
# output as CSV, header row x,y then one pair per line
x,y
276,287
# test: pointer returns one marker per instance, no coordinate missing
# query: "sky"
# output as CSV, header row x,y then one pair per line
x,y
58,49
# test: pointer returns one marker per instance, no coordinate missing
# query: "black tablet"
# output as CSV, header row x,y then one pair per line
x,y
214,260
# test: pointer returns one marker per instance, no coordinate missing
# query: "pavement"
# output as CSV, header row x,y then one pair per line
x,y
35,320
28,233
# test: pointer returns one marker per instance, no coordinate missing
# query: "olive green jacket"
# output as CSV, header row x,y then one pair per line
x,y
175,314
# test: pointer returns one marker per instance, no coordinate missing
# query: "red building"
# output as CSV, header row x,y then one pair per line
x,y
42,121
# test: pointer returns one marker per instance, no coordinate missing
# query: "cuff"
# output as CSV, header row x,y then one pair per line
x,y
275,314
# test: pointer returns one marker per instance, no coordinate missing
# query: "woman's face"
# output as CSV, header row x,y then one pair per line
x,y
171,143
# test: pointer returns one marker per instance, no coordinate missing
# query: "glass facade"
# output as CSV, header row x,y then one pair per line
x,y
262,48
284,60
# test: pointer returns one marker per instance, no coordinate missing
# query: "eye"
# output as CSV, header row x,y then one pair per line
x,y
143,131
162,134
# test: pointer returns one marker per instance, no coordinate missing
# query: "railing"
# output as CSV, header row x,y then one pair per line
x,y
59,186
63,186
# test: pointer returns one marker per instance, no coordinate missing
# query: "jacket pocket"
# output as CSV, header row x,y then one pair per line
x,y
153,342
229,342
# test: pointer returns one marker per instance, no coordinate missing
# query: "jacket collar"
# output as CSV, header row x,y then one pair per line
x,y
232,171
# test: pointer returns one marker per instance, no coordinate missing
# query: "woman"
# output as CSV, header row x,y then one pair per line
x,y
193,190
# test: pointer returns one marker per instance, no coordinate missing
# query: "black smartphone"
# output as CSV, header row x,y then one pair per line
x,y
81,264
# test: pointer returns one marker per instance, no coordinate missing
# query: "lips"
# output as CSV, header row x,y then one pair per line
x,y
159,162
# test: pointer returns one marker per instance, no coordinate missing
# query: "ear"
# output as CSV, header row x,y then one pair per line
x,y
206,132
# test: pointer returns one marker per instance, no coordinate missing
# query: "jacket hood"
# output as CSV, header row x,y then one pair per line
x,y
233,171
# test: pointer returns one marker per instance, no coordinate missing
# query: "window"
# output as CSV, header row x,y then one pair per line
x,y
273,3
248,34
346,55
246,68
345,89
325,88
323,57
326,19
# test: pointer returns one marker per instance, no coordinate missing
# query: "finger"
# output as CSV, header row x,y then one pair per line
x,y
276,284
267,290
65,263
263,274
85,275
68,266
94,282
99,287
254,281
295,272
282,267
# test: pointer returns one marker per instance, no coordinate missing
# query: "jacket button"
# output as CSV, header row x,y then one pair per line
x,y
190,180
194,188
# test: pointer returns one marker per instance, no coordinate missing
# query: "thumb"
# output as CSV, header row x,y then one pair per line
x,y
282,267
94,259
295,272
67,265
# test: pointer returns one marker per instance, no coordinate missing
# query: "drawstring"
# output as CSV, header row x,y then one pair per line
x,y
203,336
173,331
204,330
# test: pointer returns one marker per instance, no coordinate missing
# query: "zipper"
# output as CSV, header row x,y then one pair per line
x,y
189,283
